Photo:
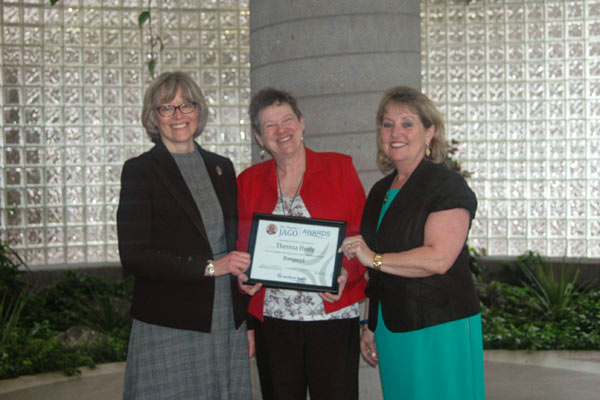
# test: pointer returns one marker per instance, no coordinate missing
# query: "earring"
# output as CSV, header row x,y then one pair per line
x,y
262,153
427,151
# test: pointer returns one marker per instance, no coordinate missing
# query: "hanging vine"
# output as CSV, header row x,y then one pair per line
x,y
144,17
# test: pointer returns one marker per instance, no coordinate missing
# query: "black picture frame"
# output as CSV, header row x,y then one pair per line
x,y
294,237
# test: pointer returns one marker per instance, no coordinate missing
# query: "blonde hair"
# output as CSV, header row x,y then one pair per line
x,y
428,114
163,90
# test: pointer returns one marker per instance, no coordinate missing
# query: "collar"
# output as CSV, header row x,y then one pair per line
x,y
314,165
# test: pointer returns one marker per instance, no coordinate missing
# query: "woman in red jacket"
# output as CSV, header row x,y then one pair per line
x,y
303,339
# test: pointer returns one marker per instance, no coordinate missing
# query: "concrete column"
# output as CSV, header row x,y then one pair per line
x,y
337,57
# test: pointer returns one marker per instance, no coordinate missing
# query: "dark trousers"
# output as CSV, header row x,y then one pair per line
x,y
321,356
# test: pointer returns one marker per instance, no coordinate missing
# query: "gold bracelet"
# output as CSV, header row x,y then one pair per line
x,y
377,261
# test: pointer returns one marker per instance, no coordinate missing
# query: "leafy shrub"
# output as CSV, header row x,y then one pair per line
x,y
11,308
36,350
14,294
106,312
552,293
78,299
451,163
30,322
512,317
12,267
533,308
475,265
512,320
32,345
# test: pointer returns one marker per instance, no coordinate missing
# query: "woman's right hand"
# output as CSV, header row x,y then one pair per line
x,y
355,246
368,348
234,263
250,289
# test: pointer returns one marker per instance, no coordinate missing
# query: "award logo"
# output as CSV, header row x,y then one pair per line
x,y
271,229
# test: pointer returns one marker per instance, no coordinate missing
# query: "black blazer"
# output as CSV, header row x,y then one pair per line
x,y
163,243
413,303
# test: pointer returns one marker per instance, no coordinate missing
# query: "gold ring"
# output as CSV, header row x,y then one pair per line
x,y
349,245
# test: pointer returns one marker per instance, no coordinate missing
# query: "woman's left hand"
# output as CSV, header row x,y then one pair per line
x,y
249,289
355,246
251,343
368,347
333,297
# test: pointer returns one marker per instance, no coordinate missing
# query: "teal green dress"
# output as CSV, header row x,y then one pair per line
x,y
444,361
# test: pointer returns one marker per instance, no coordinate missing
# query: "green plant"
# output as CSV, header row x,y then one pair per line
x,y
60,302
106,313
475,265
32,322
154,39
553,292
12,268
14,293
451,163
79,299
146,16
33,343
37,350
511,321
11,308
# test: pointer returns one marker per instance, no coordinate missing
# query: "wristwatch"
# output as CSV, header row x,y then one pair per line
x,y
210,268
377,261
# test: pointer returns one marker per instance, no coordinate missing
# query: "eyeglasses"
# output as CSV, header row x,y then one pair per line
x,y
168,110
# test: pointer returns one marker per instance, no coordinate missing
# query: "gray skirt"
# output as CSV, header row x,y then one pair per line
x,y
166,363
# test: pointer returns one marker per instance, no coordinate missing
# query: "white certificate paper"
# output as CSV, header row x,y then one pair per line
x,y
296,253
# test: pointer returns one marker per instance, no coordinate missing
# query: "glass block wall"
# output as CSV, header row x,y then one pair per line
x,y
519,84
73,76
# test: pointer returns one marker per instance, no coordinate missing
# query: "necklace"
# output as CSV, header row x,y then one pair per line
x,y
387,194
288,210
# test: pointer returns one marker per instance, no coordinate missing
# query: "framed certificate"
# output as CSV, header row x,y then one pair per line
x,y
295,252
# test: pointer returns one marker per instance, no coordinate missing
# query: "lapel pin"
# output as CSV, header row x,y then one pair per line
x,y
219,170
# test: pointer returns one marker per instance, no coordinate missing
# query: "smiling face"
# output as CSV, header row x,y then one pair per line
x,y
402,136
177,131
280,130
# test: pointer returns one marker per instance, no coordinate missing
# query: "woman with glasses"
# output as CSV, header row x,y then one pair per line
x,y
177,224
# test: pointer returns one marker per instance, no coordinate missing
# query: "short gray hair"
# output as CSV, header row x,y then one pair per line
x,y
267,97
162,90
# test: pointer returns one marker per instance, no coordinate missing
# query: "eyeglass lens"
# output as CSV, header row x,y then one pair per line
x,y
167,110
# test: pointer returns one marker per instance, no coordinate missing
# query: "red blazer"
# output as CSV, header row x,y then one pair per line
x,y
331,190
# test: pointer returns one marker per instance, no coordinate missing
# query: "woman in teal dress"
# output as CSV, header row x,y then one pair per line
x,y
424,321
